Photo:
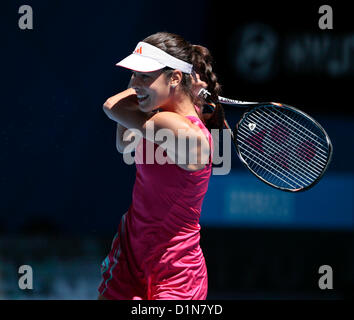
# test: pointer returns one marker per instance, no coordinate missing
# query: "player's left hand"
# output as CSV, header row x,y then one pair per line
x,y
197,83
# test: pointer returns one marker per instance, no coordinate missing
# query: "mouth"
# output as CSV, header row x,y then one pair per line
x,y
142,98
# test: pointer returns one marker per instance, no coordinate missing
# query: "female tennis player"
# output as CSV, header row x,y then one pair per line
x,y
156,252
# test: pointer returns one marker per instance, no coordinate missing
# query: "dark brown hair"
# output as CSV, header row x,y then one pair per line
x,y
201,60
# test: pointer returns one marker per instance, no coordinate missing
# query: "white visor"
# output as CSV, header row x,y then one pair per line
x,y
148,58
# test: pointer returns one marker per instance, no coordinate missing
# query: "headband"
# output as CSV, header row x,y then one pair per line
x,y
148,58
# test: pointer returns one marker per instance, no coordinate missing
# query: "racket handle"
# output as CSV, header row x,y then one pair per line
x,y
205,94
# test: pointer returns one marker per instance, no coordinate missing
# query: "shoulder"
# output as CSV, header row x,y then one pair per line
x,y
181,127
167,115
171,120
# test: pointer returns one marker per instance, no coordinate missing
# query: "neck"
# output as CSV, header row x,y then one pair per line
x,y
181,105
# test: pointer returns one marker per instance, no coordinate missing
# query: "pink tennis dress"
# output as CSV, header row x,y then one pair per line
x,y
156,253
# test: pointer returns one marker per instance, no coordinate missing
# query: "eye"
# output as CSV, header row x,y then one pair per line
x,y
143,76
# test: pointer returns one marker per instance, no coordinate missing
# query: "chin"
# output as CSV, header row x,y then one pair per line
x,y
145,108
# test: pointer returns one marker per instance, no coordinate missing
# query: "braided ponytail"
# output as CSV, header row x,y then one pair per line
x,y
202,64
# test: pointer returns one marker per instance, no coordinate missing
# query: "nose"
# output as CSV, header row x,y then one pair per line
x,y
135,82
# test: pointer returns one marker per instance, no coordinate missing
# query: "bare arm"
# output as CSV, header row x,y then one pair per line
x,y
124,139
124,136
123,108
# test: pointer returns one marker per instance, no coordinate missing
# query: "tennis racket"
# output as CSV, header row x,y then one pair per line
x,y
281,145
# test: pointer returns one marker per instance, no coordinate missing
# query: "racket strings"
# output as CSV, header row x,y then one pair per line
x,y
298,177
299,132
295,155
293,160
290,151
295,164
290,148
296,135
267,167
283,172
279,154
299,124
272,174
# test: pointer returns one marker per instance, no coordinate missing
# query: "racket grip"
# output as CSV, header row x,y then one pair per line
x,y
203,93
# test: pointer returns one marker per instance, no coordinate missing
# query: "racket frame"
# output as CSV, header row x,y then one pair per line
x,y
279,105
254,105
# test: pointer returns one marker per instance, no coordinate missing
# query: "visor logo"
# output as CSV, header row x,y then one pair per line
x,y
139,50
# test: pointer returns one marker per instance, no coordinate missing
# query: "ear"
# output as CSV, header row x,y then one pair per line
x,y
176,78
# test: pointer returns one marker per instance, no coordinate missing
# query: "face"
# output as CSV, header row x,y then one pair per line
x,y
152,89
